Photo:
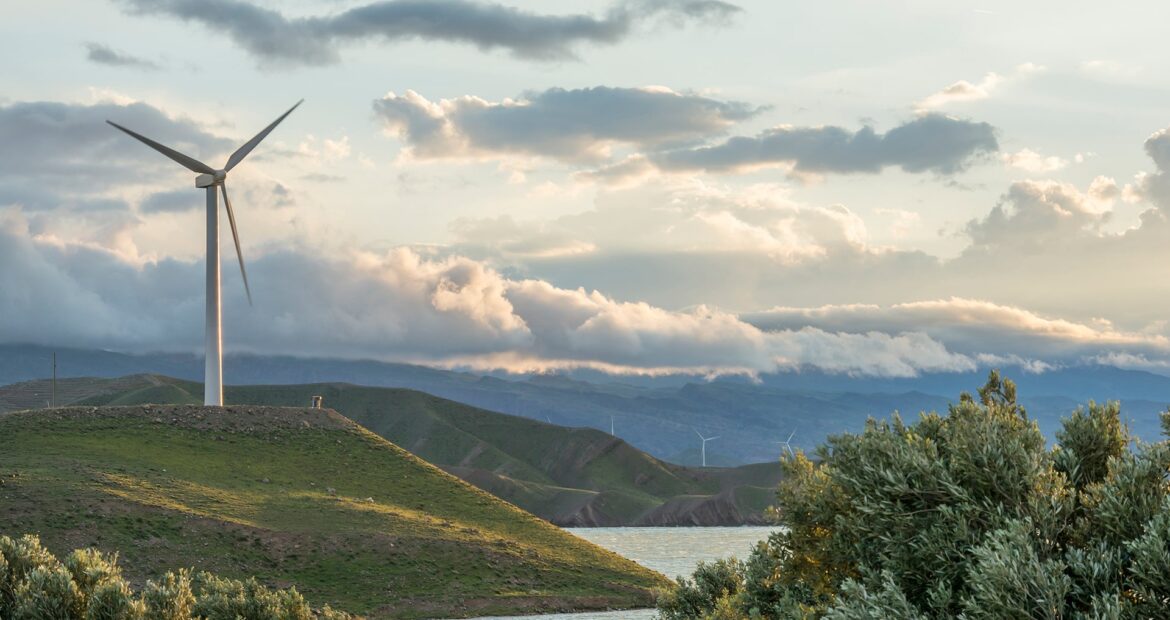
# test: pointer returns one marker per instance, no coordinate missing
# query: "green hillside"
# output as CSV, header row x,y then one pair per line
x,y
295,497
570,476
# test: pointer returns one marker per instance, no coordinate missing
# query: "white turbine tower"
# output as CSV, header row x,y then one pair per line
x,y
210,178
703,451
787,443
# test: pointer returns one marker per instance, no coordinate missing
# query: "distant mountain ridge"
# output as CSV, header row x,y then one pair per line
x,y
659,416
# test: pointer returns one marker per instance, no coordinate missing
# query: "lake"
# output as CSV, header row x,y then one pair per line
x,y
672,551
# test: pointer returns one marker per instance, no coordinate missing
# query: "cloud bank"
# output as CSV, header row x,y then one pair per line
x,y
976,328
273,38
399,305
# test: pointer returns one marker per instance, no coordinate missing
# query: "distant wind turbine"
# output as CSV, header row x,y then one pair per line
x,y
703,451
210,178
787,443
611,426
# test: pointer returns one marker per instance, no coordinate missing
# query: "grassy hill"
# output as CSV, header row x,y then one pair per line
x,y
295,497
570,476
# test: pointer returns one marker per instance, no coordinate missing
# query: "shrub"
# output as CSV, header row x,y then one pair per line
x,y
114,600
963,515
710,582
48,594
247,600
89,585
171,598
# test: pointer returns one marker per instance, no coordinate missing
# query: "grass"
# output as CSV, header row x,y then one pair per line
x,y
571,476
294,497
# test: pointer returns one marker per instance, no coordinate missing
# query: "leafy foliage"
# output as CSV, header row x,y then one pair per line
x,y
89,585
964,515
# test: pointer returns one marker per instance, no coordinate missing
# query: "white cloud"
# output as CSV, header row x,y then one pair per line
x,y
1035,212
1031,161
685,216
325,150
961,91
964,91
901,221
983,330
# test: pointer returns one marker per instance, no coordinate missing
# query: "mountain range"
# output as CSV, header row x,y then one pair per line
x,y
657,415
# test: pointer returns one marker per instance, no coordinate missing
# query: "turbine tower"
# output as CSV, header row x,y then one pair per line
x,y
209,178
704,448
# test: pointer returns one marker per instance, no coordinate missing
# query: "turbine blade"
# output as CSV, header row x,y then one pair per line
x,y
713,438
243,151
190,163
699,434
236,238
790,437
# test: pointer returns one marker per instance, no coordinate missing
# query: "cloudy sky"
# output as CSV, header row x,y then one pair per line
x,y
638,186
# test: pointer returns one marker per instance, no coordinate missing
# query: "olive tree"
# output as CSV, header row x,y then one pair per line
x,y
962,515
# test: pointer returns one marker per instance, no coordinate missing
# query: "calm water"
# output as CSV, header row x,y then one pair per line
x,y
672,551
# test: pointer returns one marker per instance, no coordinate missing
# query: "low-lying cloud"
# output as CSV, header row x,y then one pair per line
x,y
976,328
398,305
273,38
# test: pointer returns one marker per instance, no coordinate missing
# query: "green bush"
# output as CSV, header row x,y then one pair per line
x,y
711,582
171,598
963,515
89,585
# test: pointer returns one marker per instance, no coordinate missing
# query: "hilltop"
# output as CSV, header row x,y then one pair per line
x,y
569,476
295,497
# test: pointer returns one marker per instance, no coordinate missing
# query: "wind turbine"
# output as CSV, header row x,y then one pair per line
x,y
704,449
210,178
787,443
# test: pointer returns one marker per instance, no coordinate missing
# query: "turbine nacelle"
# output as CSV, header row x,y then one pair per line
x,y
208,180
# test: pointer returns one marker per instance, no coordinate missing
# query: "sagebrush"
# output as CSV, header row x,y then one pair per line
x,y
88,585
963,515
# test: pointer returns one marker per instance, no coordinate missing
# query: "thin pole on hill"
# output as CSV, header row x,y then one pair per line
x,y
53,396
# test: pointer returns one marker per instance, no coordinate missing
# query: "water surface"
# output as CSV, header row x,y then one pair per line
x,y
672,551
